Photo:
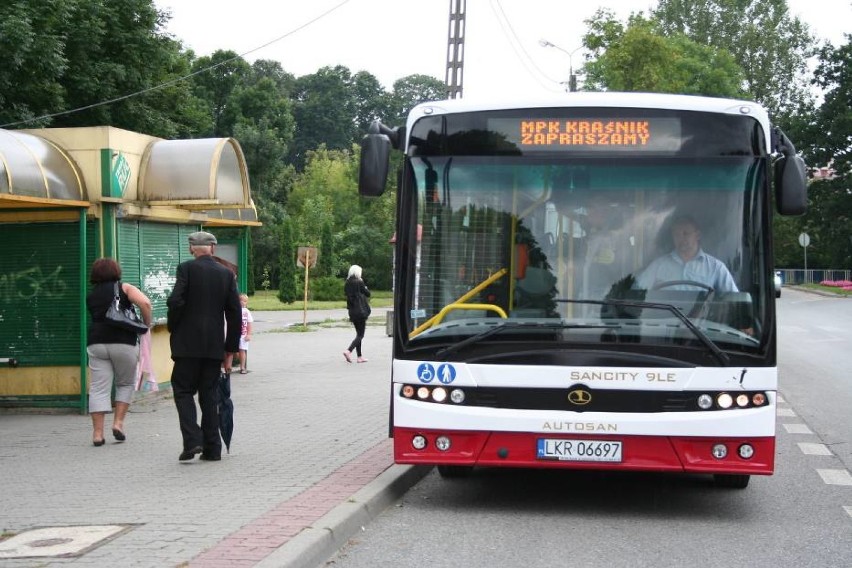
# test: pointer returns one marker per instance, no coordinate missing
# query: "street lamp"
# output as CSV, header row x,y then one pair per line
x,y
572,79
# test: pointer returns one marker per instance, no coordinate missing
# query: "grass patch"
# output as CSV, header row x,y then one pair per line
x,y
267,301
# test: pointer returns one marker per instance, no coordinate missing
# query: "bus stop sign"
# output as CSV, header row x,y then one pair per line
x,y
804,240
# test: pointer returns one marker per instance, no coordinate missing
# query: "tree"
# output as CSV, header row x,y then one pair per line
x,y
326,192
830,139
326,264
371,101
34,61
640,58
825,138
218,76
410,91
61,56
287,292
325,110
771,46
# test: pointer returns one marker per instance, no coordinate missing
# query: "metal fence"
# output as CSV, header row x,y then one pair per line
x,y
812,276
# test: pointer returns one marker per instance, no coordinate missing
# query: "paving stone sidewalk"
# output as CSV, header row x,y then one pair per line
x,y
310,433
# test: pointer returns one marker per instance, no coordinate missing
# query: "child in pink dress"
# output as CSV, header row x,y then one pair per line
x,y
245,334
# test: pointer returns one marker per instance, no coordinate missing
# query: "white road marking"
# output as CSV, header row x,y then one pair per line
x,y
786,412
832,329
848,509
814,449
835,476
797,429
780,398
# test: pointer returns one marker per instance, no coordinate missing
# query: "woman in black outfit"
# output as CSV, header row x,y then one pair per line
x,y
113,352
359,310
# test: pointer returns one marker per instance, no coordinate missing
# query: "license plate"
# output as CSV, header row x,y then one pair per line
x,y
578,450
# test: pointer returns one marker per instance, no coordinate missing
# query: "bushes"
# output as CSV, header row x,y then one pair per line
x,y
326,288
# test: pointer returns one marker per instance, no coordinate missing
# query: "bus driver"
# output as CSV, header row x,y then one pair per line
x,y
687,262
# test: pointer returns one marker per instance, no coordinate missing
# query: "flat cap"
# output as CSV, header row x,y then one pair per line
x,y
201,239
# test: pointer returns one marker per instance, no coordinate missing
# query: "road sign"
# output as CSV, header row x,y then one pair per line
x,y
804,240
306,253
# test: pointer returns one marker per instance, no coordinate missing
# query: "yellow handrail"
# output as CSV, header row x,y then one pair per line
x,y
450,307
485,283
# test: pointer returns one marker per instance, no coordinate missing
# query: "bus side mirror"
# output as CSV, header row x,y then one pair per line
x,y
791,189
375,157
791,181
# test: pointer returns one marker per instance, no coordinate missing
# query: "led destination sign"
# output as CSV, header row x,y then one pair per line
x,y
591,134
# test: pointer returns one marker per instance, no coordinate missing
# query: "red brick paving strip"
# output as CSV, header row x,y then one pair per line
x,y
261,537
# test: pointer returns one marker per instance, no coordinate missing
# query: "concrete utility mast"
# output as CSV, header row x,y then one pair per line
x,y
455,49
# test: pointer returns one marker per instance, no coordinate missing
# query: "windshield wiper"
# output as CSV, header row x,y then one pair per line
x,y
720,355
476,338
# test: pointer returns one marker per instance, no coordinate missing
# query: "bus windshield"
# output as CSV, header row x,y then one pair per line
x,y
657,248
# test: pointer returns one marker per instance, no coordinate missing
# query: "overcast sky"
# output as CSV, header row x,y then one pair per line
x,y
395,38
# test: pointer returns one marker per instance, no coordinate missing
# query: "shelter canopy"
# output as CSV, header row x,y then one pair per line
x,y
200,174
36,173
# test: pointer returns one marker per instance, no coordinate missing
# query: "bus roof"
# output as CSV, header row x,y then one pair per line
x,y
589,99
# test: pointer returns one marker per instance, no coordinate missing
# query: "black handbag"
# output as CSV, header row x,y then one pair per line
x,y
124,318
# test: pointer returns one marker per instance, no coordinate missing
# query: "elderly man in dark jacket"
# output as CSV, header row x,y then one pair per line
x,y
204,321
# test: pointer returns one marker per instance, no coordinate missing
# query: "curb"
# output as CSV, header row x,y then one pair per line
x,y
317,543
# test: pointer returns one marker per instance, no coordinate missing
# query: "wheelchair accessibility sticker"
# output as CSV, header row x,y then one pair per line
x,y
425,372
446,373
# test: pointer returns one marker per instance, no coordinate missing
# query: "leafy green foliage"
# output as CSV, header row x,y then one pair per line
x,y
62,55
410,91
640,58
771,47
326,263
325,108
287,264
825,138
831,136
33,59
326,288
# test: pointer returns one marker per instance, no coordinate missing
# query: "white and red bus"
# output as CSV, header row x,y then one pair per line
x,y
548,311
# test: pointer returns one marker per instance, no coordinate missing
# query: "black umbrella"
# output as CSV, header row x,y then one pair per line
x,y
226,409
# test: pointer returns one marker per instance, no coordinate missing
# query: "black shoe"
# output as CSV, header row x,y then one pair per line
x,y
98,442
118,435
209,458
190,453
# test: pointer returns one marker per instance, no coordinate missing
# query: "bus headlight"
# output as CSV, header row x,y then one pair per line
x,y
407,391
742,400
442,443
705,402
418,442
457,396
746,451
439,394
720,451
423,393
724,400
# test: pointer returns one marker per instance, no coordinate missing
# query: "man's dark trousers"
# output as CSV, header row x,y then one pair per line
x,y
191,375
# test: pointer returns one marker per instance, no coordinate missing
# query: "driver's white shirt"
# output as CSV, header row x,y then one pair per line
x,y
701,268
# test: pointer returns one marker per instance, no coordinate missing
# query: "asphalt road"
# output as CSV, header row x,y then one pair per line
x,y
801,516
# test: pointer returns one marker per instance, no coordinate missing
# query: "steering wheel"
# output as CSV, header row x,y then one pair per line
x,y
700,309
669,283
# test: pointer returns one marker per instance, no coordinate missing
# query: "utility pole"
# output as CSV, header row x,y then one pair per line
x,y
455,49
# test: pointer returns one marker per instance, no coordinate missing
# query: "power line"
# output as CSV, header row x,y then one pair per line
x,y
184,78
507,28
